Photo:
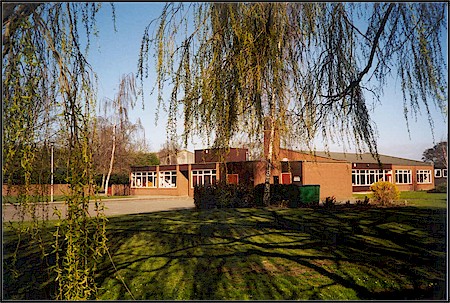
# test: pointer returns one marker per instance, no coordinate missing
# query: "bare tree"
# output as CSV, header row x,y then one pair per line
x,y
169,152
120,105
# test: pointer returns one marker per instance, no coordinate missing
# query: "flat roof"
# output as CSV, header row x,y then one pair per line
x,y
368,158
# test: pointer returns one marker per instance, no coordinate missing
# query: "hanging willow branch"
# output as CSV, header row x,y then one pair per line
x,y
312,62
49,89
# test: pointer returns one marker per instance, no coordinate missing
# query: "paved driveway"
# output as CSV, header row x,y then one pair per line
x,y
113,207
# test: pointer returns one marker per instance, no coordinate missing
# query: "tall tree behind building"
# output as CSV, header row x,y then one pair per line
x,y
437,155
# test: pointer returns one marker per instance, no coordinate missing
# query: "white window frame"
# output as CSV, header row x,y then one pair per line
x,y
438,173
444,173
403,173
138,178
168,179
423,176
366,177
201,174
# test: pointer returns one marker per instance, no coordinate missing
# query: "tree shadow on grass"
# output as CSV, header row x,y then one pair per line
x,y
261,254
29,278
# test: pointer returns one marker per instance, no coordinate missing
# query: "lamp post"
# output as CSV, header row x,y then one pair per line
x,y
51,169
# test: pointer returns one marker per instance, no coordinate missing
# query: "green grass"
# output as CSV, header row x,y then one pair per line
x,y
417,198
261,254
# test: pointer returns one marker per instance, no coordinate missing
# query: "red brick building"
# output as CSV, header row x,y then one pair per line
x,y
337,174
408,175
233,166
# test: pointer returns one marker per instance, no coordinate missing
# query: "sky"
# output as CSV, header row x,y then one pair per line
x,y
114,54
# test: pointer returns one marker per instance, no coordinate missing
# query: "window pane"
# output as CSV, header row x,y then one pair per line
x,y
194,180
363,179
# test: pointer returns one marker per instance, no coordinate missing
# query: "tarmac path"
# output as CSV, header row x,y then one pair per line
x,y
113,207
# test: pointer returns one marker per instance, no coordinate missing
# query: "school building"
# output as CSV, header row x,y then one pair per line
x,y
338,174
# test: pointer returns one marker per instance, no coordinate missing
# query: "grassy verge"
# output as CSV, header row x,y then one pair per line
x,y
261,254
417,198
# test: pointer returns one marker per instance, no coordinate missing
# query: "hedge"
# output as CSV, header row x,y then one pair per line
x,y
223,195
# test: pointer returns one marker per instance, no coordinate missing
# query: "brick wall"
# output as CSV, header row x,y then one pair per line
x,y
414,186
58,189
335,179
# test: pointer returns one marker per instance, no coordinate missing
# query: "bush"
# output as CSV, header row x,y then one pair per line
x,y
441,188
222,195
281,195
329,202
364,202
384,192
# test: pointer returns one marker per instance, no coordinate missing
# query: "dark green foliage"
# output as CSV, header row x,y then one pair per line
x,y
223,195
144,159
441,188
114,179
330,202
279,195
364,202
15,177
436,155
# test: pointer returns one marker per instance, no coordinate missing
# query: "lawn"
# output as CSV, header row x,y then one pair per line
x,y
417,198
262,254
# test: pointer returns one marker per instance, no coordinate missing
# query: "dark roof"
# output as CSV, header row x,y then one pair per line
x,y
368,158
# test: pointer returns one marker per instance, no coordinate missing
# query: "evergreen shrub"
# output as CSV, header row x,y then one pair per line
x,y
279,195
441,188
222,195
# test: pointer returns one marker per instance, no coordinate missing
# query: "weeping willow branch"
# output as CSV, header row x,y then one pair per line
x,y
315,57
48,89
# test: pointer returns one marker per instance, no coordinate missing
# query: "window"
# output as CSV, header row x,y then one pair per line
x,y
167,179
366,177
233,178
403,176
437,173
203,177
143,179
424,176
444,173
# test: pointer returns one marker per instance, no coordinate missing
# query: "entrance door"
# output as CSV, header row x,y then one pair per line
x,y
286,178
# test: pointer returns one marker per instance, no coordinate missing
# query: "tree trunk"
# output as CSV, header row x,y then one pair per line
x,y
112,160
444,153
102,186
266,197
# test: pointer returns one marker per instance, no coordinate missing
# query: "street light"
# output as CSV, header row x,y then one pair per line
x,y
52,144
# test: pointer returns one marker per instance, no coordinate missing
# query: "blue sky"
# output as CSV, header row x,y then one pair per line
x,y
113,54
